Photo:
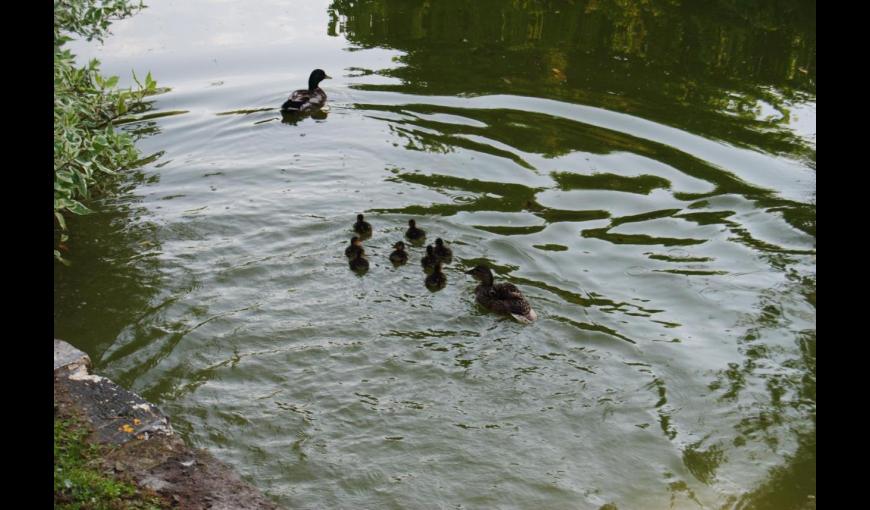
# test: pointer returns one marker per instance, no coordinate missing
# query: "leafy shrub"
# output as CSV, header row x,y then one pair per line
x,y
88,151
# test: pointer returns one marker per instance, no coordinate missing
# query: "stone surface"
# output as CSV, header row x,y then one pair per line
x,y
66,355
116,415
143,446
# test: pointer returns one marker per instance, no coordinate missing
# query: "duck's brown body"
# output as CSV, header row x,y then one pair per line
x,y
501,297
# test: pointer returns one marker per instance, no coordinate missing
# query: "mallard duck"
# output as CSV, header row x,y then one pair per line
x,y
400,256
359,263
443,252
361,226
502,297
308,99
413,233
430,259
354,248
437,279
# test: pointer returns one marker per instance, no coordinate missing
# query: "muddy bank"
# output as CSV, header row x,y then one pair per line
x,y
143,446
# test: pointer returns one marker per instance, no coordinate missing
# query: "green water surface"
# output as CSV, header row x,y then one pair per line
x,y
644,171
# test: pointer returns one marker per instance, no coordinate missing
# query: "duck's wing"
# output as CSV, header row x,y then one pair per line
x,y
297,100
315,100
513,302
507,291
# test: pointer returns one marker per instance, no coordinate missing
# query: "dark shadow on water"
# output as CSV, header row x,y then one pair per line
x,y
294,117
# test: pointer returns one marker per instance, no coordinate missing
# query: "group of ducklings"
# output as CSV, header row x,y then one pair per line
x,y
431,262
502,297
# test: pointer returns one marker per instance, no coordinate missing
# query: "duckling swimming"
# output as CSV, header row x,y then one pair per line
x,y
312,98
400,256
502,297
354,248
443,252
413,233
359,263
430,260
437,279
361,226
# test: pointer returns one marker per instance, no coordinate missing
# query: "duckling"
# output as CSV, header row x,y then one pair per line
x,y
361,226
400,256
437,279
359,263
309,99
502,297
430,260
354,248
443,252
413,233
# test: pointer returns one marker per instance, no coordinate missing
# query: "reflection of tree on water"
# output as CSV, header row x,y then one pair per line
x,y
788,413
114,273
725,70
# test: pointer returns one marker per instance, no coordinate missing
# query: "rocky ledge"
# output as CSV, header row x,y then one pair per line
x,y
142,444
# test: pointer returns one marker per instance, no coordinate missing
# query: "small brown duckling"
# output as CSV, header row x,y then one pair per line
x,y
436,280
430,259
354,248
444,253
361,226
413,233
400,256
359,263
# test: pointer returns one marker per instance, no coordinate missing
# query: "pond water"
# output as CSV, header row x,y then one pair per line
x,y
643,171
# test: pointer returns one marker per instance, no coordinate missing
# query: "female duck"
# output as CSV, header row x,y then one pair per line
x,y
502,297
309,99
355,248
443,252
430,260
361,226
413,233
436,280
400,256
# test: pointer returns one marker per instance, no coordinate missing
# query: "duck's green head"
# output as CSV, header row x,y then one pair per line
x,y
359,217
481,273
439,243
412,223
430,250
317,76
